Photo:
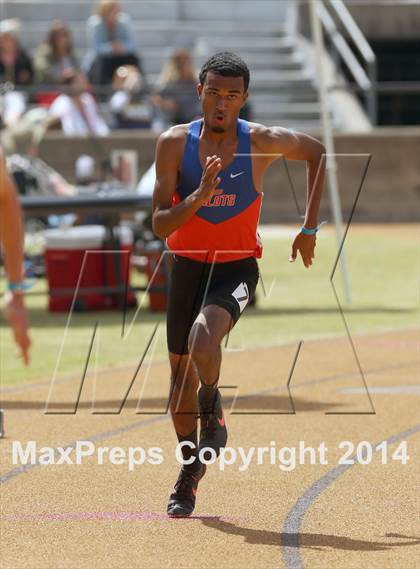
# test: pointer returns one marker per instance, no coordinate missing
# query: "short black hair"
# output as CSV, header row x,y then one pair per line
x,y
227,64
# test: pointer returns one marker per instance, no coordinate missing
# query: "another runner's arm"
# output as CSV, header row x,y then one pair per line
x,y
11,233
295,145
11,237
166,217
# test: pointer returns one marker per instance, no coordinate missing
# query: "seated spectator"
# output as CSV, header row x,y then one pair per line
x,y
176,96
77,110
15,64
130,105
54,60
111,43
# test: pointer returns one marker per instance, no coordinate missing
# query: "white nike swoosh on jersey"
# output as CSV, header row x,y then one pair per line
x,y
235,175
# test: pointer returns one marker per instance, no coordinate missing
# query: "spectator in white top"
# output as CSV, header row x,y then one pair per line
x,y
12,107
77,110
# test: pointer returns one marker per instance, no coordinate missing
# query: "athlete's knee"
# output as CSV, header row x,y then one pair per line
x,y
201,345
185,381
183,374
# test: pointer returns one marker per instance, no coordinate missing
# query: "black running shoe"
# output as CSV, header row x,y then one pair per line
x,y
182,502
213,433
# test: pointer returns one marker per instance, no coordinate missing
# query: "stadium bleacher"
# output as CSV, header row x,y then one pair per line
x,y
260,32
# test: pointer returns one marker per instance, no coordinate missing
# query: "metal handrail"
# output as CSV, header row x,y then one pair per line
x,y
387,87
353,29
366,80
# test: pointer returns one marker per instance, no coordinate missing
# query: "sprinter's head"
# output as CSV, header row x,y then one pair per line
x,y
223,89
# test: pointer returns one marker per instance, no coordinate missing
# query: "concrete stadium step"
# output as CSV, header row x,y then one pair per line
x,y
304,95
272,60
237,28
80,10
264,80
245,10
284,116
150,34
301,111
302,125
154,58
199,10
288,61
257,61
154,63
255,44
158,55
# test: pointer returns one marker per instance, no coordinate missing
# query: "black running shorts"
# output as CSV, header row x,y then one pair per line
x,y
230,285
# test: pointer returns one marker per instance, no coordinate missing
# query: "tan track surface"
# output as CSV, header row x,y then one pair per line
x,y
103,516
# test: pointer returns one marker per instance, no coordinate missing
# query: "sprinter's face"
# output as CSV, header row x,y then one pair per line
x,y
221,98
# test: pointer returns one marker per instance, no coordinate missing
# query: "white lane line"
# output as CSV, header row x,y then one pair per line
x,y
291,528
386,389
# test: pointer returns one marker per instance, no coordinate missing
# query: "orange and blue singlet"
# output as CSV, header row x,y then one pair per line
x,y
225,228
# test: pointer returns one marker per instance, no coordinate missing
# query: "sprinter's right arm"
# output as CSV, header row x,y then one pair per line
x,y
166,217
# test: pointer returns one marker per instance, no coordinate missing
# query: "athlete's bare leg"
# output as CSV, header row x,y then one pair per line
x,y
206,335
183,396
184,410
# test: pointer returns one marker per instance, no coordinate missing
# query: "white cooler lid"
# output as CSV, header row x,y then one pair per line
x,y
83,237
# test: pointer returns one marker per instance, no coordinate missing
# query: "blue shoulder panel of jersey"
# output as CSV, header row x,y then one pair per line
x,y
236,191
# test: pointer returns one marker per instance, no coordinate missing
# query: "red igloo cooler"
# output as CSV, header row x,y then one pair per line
x,y
78,256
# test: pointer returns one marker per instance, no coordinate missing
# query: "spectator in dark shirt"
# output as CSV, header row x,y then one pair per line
x,y
176,95
54,60
15,64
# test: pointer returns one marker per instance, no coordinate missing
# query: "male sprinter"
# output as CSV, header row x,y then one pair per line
x,y
206,203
